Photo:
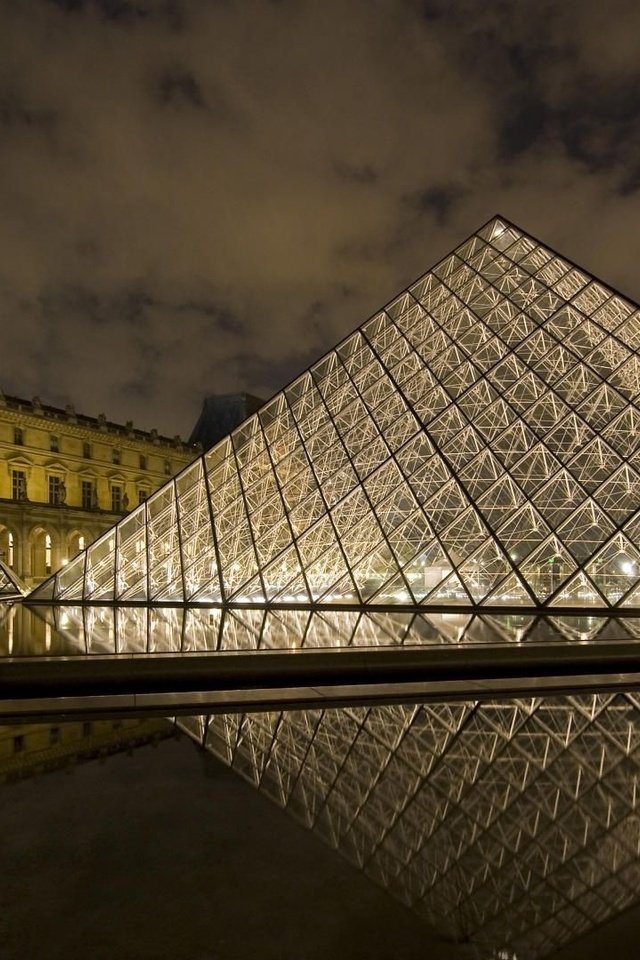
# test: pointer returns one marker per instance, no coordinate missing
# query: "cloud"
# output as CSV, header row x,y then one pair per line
x,y
126,12
208,196
437,201
179,86
363,173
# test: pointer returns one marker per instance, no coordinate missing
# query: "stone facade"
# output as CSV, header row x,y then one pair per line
x,y
65,478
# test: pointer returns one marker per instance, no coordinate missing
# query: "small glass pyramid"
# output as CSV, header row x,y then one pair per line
x,y
11,587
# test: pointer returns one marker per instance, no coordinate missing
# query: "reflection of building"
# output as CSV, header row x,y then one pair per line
x,y
30,749
65,478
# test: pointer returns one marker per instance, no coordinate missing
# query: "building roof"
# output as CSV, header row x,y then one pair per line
x,y
220,414
68,415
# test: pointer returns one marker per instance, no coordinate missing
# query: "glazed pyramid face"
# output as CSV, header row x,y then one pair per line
x,y
474,443
10,586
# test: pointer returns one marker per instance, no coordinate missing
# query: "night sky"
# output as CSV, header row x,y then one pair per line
x,y
204,197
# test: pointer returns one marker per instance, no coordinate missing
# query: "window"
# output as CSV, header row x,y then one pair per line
x,y
86,450
143,462
10,549
54,736
115,455
54,446
18,436
116,498
167,468
55,487
18,485
80,542
142,496
47,552
88,492
18,743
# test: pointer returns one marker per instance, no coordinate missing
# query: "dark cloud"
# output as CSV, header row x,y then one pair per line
x,y
16,115
432,9
526,121
602,125
136,390
126,12
363,173
197,185
221,317
117,10
177,85
437,201
630,183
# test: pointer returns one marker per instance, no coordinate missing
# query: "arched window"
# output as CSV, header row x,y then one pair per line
x,y
41,548
75,543
7,546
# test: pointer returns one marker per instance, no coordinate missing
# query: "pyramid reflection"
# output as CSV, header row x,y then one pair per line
x,y
111,630
505,824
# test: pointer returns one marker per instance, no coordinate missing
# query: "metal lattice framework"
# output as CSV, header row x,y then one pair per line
x,y
474,443
512,825
10,586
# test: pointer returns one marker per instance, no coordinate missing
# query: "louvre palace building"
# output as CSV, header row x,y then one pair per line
x,y
424,554
66,477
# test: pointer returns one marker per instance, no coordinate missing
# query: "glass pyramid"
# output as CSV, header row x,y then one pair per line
x,y
475,443
11,587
